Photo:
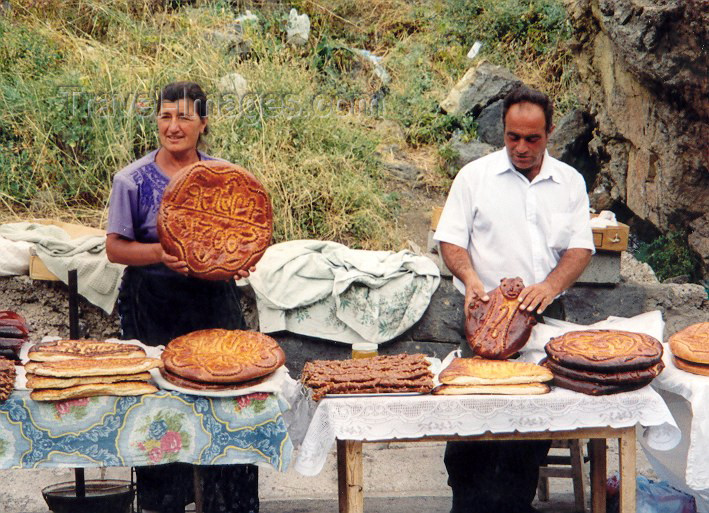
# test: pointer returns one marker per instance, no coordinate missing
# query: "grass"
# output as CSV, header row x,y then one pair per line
x,y
77,77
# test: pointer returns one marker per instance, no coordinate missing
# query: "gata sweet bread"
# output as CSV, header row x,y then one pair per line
x,y
604,350
692,343
59,350
79,367
589,388
79,391
608,378
216,217
516,389
34,381
700,369
478,371
213,387
223,356
497,328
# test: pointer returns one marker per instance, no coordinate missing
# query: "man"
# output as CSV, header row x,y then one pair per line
x,y
515,212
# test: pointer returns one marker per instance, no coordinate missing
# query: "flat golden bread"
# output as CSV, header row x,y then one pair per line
x,y
692,343
77,392
692,367
604,350
223,356
478,371
80,367
34,381
59,350
216,217
520,389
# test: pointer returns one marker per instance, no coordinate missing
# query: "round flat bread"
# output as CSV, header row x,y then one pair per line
x,y
695,368
604,350
692,343
198,385
588,388
223,356
216,217
607,378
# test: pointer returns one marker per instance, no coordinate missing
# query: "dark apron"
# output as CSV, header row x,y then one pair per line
x,y
155,308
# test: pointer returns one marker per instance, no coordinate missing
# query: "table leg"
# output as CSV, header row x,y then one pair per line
x,y
197,478
627,470
350,487
598,475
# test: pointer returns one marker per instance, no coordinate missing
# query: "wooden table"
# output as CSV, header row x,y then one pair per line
x,y
350,470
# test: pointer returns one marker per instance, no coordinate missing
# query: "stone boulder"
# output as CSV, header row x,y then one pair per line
x,y
233,83
643,77
569,143
467,152
490,128
479,87
699,241
230,39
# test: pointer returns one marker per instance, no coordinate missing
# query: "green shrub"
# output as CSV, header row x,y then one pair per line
x,y
669,255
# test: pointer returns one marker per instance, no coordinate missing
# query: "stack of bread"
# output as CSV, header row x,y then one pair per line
x,y
600,362
400,373
690,349
218,359
7,378
71,369
466,376
13,333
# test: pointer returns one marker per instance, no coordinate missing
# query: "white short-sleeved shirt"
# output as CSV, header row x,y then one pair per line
x,y
513,227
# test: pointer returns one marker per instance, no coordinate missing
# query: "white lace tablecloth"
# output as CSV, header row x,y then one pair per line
x,y
392,417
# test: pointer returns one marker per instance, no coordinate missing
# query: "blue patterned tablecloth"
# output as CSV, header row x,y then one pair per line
x,y
143,430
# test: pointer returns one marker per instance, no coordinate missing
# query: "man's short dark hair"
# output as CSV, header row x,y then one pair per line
x,y
526,94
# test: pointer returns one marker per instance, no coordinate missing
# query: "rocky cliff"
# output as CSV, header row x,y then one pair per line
x,y
645,80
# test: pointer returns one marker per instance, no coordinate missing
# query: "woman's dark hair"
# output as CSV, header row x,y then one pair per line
x,y
185,90
526,94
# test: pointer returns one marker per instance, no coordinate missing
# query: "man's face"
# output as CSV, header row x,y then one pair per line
x,y
526,137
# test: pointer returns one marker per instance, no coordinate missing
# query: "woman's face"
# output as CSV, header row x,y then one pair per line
x,y
179,126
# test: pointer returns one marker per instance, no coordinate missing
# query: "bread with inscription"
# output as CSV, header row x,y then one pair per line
x,y
497,328
604,350
80,391
223,356
79,367
217,218
59,350
518,389
478,371
692,343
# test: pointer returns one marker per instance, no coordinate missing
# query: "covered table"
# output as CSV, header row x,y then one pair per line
x,y
685,466
143,430
559,414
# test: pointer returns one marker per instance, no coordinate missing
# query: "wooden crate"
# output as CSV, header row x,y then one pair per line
x,y
39,271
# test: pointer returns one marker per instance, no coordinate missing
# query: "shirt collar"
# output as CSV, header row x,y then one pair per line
x,y
547,171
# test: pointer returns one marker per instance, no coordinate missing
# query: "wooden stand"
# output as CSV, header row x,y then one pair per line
x,y
349,463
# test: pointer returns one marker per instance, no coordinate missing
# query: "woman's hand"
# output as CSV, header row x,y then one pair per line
x,y
174,263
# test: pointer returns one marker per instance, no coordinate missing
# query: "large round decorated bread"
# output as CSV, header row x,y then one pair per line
x,y
216,217
223,356
607,378
604,350
692,343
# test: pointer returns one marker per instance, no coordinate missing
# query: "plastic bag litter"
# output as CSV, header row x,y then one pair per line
x,y
651,497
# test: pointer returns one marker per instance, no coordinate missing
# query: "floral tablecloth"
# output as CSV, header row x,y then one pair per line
x,y
143,430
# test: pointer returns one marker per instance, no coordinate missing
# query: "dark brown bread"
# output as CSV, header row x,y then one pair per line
x,y
608,378
223,356
216,217
497,329
215,387
604,350
588,388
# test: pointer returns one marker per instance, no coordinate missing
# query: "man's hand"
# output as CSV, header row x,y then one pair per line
x,y
241,273
474,290
537,296
174,263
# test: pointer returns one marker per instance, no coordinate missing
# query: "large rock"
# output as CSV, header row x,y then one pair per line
x,y
443,320
681,305
490,129
479,87
643,71
699,240
467,152
569,143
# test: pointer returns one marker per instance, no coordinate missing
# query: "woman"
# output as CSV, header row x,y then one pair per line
x,y
158,301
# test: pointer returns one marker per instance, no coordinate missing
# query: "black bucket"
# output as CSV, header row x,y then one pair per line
x,y
104,496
